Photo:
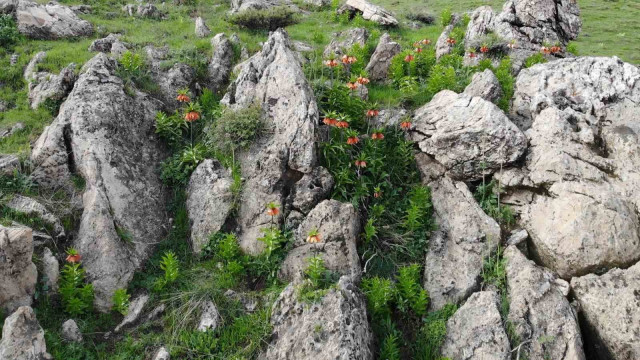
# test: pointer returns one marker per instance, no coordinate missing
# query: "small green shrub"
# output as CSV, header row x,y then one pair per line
x,y
235,130
507,83
536,58
446,16
572,48
121,301
411,294
9,34
77,296
169,264
432,334
380,292
171,127
177,169
133,70
267,19
487,196
317,280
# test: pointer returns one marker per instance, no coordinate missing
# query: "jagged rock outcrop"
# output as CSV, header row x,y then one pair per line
x,y
378,66
9,164
338,226
442,46
162,354
611,311
71,332
465,237
485,85
202,30
468,135
107,136
369,11
109,45
50,269
29,206
244,5
144,10
210,317
47,21
344,41
538,309
44,86
273,78
311,189
577,192
18,274
11,129
179,76
221,62
22,337
475,331
209,201
334,328
134,313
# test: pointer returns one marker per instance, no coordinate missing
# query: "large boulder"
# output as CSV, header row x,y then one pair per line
x,y
333,328
209,201
610,307
221,62
46,86
106,136
469,136
344,41
49,21
202,30
338,226
378,66
273,79
238,6
22,337
369,11
475,331
442,46
538,309
109,45
465,237
485,85
18,273
577,191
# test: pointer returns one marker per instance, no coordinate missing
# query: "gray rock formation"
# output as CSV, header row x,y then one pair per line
x,y
202,30
32,67
335,328
442,46
311,189
610,307
144,10
49,21
209,201
273,78
338,226
344,41
9,164
179,76
378,66
469,136
50,269
221,62
244,5
485,85
71,332
11,129
136,307
475,331
540,312
29,206
465,237
22,337
18,274
210,317
109,45
45,86
107,136
370,12
161,354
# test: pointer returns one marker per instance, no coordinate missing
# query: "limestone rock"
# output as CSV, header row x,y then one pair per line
x,y
12,129
475,331
221,62
107,136
71,331
179,76
539,310
611,310
202,30
143,10
162,354
334,328
135,311
469,136
109,45
370,12
318,3
485,85
338,226
457,250
273,78
343,42
243,5
32,207
18,274
311,189
46,86
32,67
50,269
210,317
442,46
22,337
9,164
378,66
49,21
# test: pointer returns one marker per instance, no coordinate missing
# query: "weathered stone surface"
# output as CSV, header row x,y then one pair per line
x,y
209,201
369,11
11,129
538,309
475,331
18,274
221,62
469,136
45,86
465,236
243,5
338,226
49,21
378,66
210,317
311,189
485,85
202,30
481,23
135,311
611,310
179,77
22,337
344,41
71,332
107,136
273,78
109,45
32,207
162,354
144,10
50,269
318,3
442,46
9,164
334,328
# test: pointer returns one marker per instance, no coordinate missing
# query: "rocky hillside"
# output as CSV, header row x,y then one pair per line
x,y
375,193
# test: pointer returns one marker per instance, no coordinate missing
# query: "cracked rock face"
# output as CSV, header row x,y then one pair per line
x,y
22,337
610,307
18,273
49,21
475,331
468,135
370,12
334,328
577,192
457,250
221,63
343,42
244,5
32,207
538,309
378,66
107,137
485,85
273,79
110,45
